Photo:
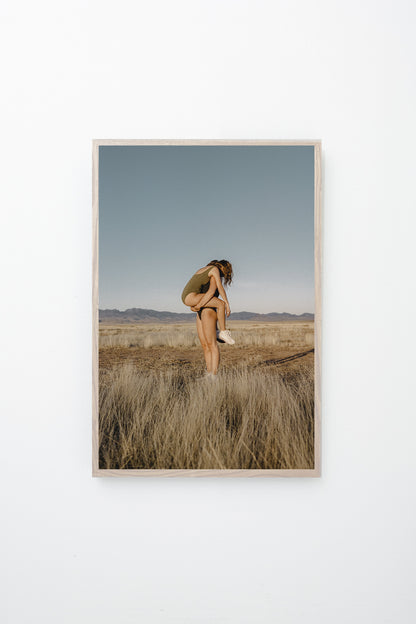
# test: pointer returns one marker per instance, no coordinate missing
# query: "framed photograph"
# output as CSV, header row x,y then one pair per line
x,y
206,301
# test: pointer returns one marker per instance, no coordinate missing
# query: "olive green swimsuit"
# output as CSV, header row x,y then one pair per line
x,y
199,283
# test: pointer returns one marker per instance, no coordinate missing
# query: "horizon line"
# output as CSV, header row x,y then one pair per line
x,y
170,312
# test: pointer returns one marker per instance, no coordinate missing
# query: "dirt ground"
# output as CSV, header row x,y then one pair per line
x,y
191,358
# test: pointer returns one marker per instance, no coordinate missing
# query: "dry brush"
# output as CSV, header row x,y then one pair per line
x,y
246,419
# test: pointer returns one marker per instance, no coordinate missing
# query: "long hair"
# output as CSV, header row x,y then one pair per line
x,y
225,268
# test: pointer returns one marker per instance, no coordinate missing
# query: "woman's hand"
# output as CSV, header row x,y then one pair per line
x,y
195,308
227,309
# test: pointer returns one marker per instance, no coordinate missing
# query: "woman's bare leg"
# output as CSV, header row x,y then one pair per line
x,y
193,299
209,327
204,342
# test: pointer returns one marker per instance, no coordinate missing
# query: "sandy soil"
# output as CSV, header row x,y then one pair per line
x,y
159,358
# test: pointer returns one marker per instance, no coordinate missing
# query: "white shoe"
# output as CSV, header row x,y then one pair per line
x,y
226,336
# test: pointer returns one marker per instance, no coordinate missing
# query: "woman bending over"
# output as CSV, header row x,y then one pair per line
x,y
203,291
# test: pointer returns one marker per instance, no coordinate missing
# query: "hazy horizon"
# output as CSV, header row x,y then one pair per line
x,y
166,211
186,310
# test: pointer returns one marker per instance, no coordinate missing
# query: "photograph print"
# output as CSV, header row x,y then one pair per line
x,y
206,308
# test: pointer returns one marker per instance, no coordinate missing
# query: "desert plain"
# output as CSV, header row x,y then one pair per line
x,y
158,411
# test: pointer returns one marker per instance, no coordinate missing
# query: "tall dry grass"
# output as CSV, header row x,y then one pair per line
x,y
171,420
284,334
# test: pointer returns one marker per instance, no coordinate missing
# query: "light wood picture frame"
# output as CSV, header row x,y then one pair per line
x,y
289,357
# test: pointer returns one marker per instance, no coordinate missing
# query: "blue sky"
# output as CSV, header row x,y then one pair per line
x,y
166,211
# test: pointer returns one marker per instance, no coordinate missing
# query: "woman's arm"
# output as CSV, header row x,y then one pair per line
x,y
209,294
220,287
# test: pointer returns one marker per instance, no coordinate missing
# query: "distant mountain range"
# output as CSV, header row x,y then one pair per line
x,y
141,315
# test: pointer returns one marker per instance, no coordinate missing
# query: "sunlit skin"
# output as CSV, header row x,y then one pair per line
x,y
206,325
210,310
196,301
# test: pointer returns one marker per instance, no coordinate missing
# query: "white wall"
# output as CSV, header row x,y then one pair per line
x,y
336,549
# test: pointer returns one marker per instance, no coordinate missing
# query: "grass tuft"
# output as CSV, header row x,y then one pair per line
x,y
173,419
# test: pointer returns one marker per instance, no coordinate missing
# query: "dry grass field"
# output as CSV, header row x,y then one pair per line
x,y
157,410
